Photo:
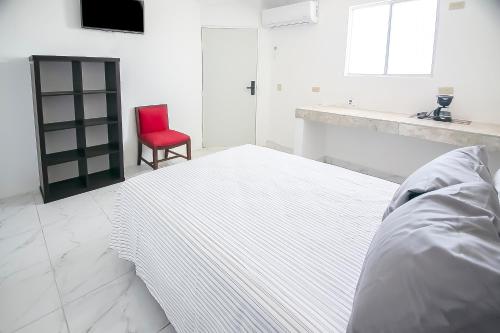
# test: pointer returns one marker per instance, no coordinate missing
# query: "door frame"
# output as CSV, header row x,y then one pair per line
x,y
257,75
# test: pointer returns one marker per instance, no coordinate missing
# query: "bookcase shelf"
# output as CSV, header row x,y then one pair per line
x,y
77,154
105,149
59,126
63,125
98,121
84,180
63,157
85,92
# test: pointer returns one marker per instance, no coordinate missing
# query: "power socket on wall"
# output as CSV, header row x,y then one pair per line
x,y
446,91
456,5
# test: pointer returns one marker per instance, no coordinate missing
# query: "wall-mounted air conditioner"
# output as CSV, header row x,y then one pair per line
x,y
300,13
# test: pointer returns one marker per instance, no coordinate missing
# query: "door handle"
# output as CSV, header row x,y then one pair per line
x,y
252,88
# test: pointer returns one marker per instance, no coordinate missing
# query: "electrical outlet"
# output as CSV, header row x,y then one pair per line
x,y
316,89
279,87
350,102
456,5
446,91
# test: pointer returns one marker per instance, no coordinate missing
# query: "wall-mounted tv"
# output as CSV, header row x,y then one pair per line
x,y
114,15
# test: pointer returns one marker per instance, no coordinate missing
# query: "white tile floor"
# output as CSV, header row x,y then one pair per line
x,y
58,275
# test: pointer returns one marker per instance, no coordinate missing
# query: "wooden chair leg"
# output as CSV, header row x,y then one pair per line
x,y
188,150
155,158
139,153
166,153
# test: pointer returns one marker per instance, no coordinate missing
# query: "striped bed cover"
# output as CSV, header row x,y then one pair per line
x,y
250,240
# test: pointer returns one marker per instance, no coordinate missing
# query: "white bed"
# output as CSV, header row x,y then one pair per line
x,y
250,239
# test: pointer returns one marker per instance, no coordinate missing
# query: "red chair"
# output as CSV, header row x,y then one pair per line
x,y
154,132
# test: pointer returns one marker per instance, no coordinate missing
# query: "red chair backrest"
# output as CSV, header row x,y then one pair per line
x,y
152,118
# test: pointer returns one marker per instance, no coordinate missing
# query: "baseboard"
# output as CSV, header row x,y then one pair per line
x,y
277,146
364,170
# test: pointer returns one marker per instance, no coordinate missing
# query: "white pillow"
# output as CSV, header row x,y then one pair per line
x,y
496,182
463,165
433,266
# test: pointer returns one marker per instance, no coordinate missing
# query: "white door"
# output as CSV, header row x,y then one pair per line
x,y
229,72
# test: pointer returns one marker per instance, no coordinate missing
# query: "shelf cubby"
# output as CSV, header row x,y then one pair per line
x,y
66,188
58,81
104,178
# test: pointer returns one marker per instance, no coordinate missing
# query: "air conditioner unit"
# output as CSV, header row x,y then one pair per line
x,y
300,13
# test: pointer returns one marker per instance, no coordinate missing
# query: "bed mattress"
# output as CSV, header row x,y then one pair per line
x,y
250,240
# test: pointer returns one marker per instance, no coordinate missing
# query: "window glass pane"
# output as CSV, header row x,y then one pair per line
x,y
412,37
368,39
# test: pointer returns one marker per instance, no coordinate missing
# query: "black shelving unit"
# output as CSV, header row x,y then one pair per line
x,y
83,181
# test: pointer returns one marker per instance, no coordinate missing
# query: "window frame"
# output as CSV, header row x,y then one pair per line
x,y
388,41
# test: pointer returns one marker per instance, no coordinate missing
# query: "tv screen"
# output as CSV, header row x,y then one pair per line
x,y
116,15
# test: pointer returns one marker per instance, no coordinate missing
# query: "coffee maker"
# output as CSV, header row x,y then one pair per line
x,y
442,112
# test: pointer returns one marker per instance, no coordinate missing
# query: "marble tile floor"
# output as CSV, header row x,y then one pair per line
x,y
57,273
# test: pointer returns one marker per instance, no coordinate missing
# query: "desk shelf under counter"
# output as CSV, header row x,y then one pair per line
x,y
313,122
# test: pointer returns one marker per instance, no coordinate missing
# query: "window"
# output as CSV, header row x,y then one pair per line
x,y
392,38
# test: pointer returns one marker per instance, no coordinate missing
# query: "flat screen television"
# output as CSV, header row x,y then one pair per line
x,y
113,15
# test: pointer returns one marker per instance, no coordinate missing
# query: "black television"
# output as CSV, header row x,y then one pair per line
x,y
113,15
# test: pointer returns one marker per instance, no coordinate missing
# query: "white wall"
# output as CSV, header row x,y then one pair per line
x,y
161,66
467,58
230,13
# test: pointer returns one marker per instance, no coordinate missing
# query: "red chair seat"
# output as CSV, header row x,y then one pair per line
x,y
164,138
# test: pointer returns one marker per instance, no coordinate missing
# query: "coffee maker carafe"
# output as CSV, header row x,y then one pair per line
x,y
442,112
